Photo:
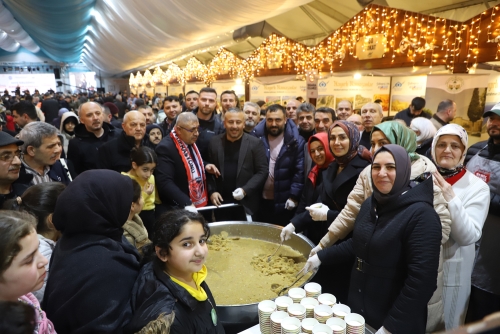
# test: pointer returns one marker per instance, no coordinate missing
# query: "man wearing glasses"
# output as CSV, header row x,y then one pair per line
x,y
180,173
10,165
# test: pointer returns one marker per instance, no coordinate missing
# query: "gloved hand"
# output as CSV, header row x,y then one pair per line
x,y
318,211
238,194
290,204
312,263
382,330
286,232
315,250
191,208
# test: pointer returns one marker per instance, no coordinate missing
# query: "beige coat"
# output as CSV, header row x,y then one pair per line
x,y
344,224
135,232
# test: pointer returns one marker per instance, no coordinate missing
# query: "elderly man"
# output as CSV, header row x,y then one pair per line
x,y
323,119
357,120
41,154
344,110
285,155
291,110
180,174
24,112
229,152
11,185
252,116
446,112
90,134
171,108
372,115
115,154
191,101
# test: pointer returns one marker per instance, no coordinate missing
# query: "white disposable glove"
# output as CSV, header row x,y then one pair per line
x,y
286,232
382,330
191,208
312,263
289,205
238,194
315,250
318,211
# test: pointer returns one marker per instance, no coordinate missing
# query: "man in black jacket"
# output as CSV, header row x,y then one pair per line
x,y
483,159
242,164
90,134
210,125
50,107
413,111
115,154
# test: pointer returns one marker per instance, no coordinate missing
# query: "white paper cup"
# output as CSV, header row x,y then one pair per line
x,y
297,311
296,294
322,313
290,325
337,325
278,316
312,289
354,321
340,310
327,299
267,307
308,324
322,329
283,302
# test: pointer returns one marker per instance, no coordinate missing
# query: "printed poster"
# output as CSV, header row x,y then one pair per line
x,y
405,89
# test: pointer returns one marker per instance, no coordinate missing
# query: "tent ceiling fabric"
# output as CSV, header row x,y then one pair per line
x,y
117,37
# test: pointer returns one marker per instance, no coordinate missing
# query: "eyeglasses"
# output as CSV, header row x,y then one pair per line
x,y
190,130
9,156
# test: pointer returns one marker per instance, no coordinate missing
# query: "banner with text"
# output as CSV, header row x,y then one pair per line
x,y
42,82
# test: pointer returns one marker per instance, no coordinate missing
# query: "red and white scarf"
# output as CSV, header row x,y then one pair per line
x,y
195,171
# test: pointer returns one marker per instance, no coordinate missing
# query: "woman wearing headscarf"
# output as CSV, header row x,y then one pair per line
x,y
468,199
394,133
93,267
395,245
425,131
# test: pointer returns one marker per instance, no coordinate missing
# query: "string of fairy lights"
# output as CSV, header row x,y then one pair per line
x,y
407,37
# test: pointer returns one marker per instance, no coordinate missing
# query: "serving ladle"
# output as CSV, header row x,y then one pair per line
x,y
270,256
295,282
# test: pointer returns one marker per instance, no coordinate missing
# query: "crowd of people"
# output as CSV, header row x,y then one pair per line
x,y
101,231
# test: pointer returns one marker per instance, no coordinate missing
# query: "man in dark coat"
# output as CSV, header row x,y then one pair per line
x,y
50,107
414,110
115,154
122,106
90,134
285,155
242,165
210,125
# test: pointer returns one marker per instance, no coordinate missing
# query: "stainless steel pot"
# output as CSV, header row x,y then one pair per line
x,y
247,313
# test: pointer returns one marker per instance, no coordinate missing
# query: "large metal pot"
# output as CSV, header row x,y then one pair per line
x,y
246,314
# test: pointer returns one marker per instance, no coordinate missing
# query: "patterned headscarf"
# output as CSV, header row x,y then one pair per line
x,y
351,130
456,130
400,135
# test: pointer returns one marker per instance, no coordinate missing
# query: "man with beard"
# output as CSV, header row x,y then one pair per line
x,y
305,115
414,110
171,108
372,115
344,110
446,112
229,152
228,99
291,110
41,154
191,101
285,155
252,116
11,186
210,125
483,159
115,154
148,113
90,134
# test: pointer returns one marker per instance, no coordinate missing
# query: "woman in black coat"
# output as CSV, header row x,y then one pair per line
x,y
395,244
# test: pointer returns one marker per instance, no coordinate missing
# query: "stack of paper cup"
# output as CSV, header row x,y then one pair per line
x,y
297,294
337,325
355,323
283,302
340,310
309,303
297,311
276,318
312,290
327,299
290,325
322,329
265,309
322,313
308,324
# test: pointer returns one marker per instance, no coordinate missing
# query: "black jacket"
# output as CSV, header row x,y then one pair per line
x,y
154,293
253,169
57,173
122,106
115,154
399,245
208,129
18,188
170,175
93,267
82,150
406,116
50,108
425,148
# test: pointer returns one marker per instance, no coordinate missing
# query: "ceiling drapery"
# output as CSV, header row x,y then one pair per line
x,y
12,35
